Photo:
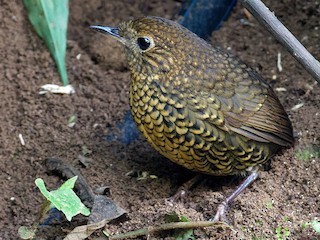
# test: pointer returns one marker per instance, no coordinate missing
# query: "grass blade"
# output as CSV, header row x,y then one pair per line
x,y
50,20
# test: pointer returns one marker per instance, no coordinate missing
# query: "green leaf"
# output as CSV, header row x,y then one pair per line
x,y
316,225
69,184
184,234
64,198
27,232
171,217
180,234
72,121
184,219
50,20
307,152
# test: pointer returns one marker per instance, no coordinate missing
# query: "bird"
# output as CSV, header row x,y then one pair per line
x,y
199,105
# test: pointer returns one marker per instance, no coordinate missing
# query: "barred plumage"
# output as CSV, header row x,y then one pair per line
x,y
197,105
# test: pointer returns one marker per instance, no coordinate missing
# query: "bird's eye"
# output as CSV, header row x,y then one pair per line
x,y
144,43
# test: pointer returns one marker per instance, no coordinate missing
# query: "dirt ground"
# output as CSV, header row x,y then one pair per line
x,y
285,197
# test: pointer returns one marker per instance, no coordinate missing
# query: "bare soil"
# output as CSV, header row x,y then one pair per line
x,y
285,196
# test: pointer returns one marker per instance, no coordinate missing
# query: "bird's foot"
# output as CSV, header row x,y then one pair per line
x,y
223,207
221,213
184,189
179,195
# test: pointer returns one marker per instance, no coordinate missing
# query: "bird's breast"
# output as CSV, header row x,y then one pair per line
x,y
187,137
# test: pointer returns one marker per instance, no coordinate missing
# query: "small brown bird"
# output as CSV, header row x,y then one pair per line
x,y
197,105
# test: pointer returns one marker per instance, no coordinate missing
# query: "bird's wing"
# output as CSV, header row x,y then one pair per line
x,y
251,108
268,123
222,91
247,106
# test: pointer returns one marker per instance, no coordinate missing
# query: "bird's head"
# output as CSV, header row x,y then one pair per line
x,y
156,45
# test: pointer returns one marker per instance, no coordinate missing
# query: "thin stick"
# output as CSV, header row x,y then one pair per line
x,y
168,226
284,36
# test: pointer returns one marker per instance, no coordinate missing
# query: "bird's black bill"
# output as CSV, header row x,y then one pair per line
x,y
107,30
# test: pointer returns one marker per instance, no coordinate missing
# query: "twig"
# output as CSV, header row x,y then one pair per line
x,y
284,36
168,226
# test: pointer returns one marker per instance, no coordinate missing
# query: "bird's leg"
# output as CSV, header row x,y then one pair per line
x,y
222,208
182,191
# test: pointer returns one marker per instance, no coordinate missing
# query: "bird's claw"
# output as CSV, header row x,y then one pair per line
x,y
221,213
179,195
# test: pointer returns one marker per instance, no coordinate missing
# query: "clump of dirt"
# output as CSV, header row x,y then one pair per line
x,y
285,196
